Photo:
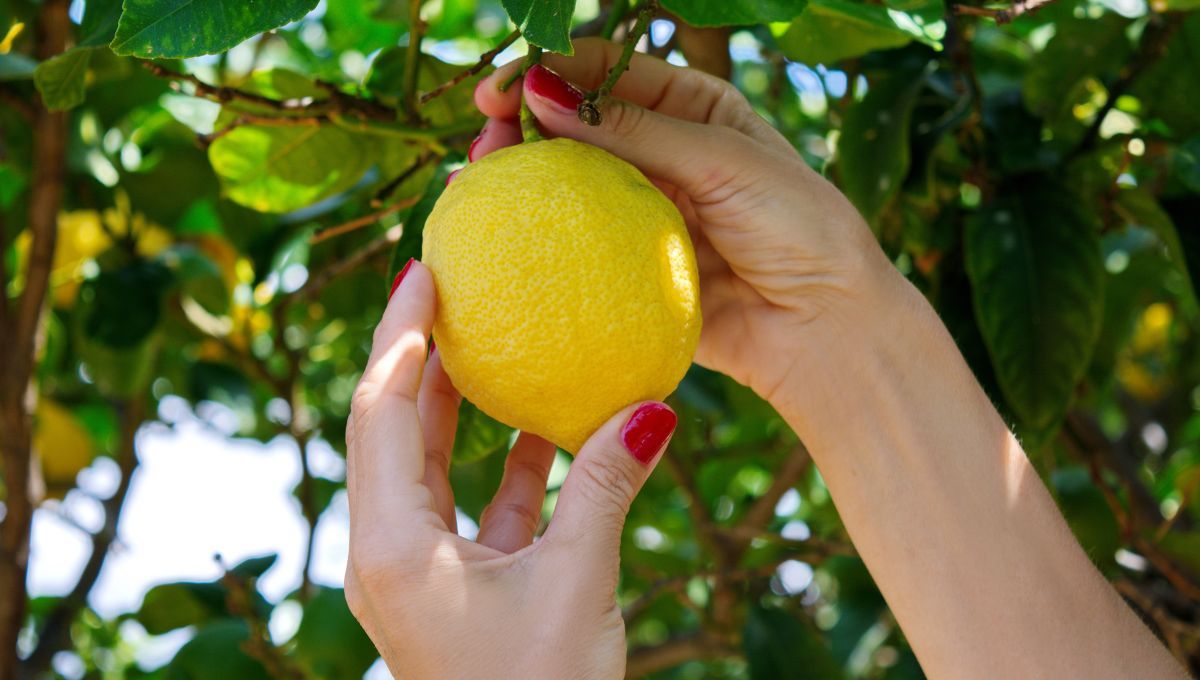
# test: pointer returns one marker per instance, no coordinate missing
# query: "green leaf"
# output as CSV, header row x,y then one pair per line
x,y
778,645
873,149
99,25
386,80
734,12
1138,207
1088,515
16,66
1183,548
829,31
1080,49
62,80
216,653
479,435
411,243
125,304
162,29
1186,163
170,606
329,642
1033,258
350,27
1168,88
545,23
280,169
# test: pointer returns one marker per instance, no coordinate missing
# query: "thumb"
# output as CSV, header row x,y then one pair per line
x,y
604,479
692,156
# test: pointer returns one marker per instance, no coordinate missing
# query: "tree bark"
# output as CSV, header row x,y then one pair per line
x,y
18,344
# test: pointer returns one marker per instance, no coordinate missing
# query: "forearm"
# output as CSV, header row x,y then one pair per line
x,y
953,522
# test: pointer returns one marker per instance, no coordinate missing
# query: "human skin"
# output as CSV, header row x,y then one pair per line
x,y
801,305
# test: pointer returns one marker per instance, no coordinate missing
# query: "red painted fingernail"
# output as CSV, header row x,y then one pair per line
x,y
451,176
647,430
549,85
399,278
475,143
432,345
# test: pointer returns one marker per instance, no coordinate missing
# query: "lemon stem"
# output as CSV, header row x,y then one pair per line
x,y
589,109
529,128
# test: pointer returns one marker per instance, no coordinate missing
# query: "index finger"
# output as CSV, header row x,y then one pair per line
x,y
671,90
385,452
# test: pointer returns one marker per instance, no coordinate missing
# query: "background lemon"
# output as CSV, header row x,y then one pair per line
x,y
567,288
63,445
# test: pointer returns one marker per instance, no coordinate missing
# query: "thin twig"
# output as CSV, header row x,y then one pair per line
x,y
322,278
337,101
239,598
529,126
1152,46
485,60
589,108
388,189
363,221
704,644
412,60
1164,623
763,510
1004,16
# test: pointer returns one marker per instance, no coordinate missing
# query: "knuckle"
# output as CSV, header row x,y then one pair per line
x,y
624,119
523,516
607,486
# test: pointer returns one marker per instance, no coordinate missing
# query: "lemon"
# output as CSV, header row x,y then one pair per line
x,y
63,445
567,288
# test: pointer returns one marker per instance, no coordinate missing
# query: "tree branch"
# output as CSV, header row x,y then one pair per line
x,y
322,278
412,60
363,221
337,101
390,188
643,661
763,510
239,599
1004,16
55,634
589,108
484,60
1150,49
18,345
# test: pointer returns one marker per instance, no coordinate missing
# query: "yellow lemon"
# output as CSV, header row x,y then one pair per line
x,y
567,288
63,445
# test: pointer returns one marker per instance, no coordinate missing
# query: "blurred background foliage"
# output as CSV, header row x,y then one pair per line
x,y
209,204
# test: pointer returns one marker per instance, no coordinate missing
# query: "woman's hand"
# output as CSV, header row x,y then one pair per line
x,y
778,246
439,606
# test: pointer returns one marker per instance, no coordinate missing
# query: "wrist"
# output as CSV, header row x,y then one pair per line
x,y
854,333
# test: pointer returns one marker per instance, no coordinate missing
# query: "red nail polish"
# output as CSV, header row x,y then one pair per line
x,y
647,430
432,345
475,143
399,278
549,85
451,176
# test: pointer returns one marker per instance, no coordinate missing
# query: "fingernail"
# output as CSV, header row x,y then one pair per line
x,y
399,278
451,176
432,345
647,430
475,143
550,86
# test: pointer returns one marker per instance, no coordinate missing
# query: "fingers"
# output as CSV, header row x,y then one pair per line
x,y
651,83
701,160
437,405
385,461
606,475
509,522
496,134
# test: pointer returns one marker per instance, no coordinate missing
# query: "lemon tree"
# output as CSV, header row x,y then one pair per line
x,y
206,202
